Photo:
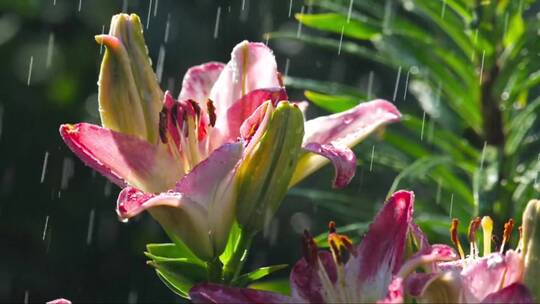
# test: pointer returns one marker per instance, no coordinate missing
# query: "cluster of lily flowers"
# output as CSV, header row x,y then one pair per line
x,y
227,150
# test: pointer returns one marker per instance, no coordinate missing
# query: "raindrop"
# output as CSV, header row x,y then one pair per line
x,y
505,24
372,155
243,4
44,167
443,10
387,16
483,156
406,85
155,8
50,48
341,39
160,63
482,66
396,86
26,296
68,170
287,64
1,119
107,189
167,28
149,12
101,44
423,123
90,230
45,228
439,188
216,27
370,85
30,70
80,5
54,3
124,6
451,204
299,29
290,8
132,297
350,11
474,44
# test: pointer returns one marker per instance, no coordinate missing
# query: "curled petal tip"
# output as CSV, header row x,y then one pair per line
x,y
108,40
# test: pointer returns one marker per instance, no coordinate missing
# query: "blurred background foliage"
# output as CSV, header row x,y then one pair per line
x,y
464,73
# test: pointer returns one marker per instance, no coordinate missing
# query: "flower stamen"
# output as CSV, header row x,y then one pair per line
x,y
487,228
454,237
473,227
508,227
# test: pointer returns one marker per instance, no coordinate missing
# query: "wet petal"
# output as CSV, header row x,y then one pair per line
x,y
487,275
122,158
342,158
428,257
306,281
59,301
515,293
252,66
212,184
343,129
416,283
215,293
395,292
243,108
199,80
175,212
380,253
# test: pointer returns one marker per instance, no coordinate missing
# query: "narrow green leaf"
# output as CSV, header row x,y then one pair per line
x,y
332,103
515,30
234,236
280,286
339,24
326,87
257,274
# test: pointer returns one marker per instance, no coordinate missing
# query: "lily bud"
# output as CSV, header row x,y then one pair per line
x,y
531,247
275,138
129,94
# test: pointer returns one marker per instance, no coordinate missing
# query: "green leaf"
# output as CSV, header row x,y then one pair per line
x,y
331,103
326,87
418,169
257,274
234,237
486,180
177,284
519,126
280,286
516,28
337,23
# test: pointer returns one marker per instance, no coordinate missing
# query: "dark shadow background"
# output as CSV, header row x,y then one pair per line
x,y
59,234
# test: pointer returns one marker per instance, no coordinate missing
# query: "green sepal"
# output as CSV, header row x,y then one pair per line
x,y
257,274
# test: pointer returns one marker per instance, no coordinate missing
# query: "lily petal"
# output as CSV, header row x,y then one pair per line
x,y
344,129
122,158
380,253
244,107
215,293
515,293
199,80
343,159
395,292
175,212
417,283
252,66
306,280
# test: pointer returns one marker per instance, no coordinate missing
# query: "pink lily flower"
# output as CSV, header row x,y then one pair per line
x,y
369,274
496,277
178,159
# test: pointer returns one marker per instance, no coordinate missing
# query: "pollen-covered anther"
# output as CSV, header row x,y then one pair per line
x,y
340,245
487,231
508,227
163,125
473,227
455,238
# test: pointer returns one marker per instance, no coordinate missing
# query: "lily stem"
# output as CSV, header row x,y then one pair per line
x,y
234,267
215,271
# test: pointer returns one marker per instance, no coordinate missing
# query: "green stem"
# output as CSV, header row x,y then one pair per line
x,y
215,271
233,268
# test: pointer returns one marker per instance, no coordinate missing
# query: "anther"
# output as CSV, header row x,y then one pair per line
x,y
487,229
455,238
309,248
211,111
508,227
163,125
473,227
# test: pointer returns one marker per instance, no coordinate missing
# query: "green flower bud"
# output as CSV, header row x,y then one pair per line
x,y
266,171
129,95
531,247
